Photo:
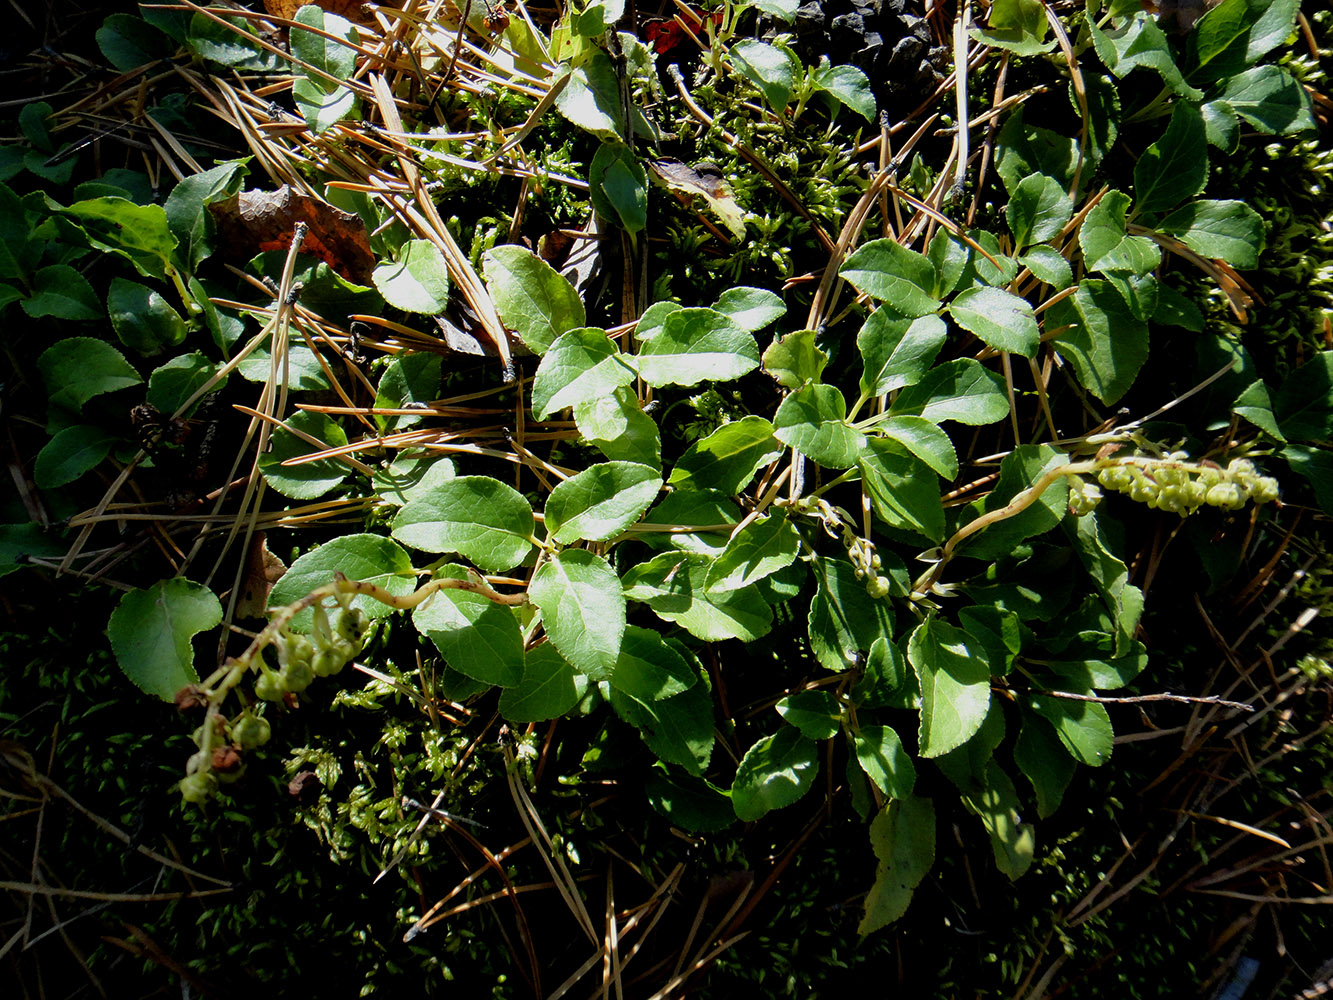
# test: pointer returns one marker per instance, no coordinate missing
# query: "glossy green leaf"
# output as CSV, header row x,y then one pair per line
x,y
1084,676
129,42
417,281
815,713
548,689
886,681
679,729
923,439
1255,406
903,837
150,632
795,359
1270,99
998,318
142,318
1039,756
618,184
1083,727
1017,25
653,319
580,366
1303,405
751,309
1020,469
955,686
616,425
591,98
303,371
1175,167
761,548
885,762
186,207
897,351
1317,467
889,272
1106,244
1049,265
813,420
1103,340
1022,149
903,489
689,803
1038,208
684,509
61,292
775,772
1229,230
767,67
963,390
727,459
72,452
306,480
844,621
849,85
478,517
1109,576
1138,41
601,501
409,380
672,584
697,345
174,382
583,610
409,479
649,668
78,368
322,101
477,637
364,557
532,299
1237,33
139,233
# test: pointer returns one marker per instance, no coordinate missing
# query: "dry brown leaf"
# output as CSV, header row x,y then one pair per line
x,y
706,181
354,10
262,570
254,221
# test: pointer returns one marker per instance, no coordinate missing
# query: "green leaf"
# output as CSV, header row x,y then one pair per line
x,y
532,299
884,761
409,380
322,101
1270,99
1082,726
1255,406
71,453
761,548
1174,309
1221,125
601,501
230,42
1229,230
1104,341
78,368
1023,150
548,689
408,479
997,805
886,682
478,517
1317,467
903,837
923,439
150,631
618,184
1175,167
1038,208
1303,405
653,318
849,85
767,67
19,541
697,345
955,686
1020,469
186,207
1105,243
417,281
128,42
1236,34
1140,42
998,631
1017,25
783,10
364,557
139,233
751,309
170,385
1037,754
896,351
815,713
64,293
307,480
1088,675
679,729
795,359
889,272
616,425
728,458
902,488
1110,577
304,372
142,318
999,319
962,390
583,610
672,584
649,668
477,637
685,508
591,99
844,621
813,420
775,772
580,366
691,804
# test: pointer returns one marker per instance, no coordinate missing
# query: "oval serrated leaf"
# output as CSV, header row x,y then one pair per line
x,y
889,272
999,319
581,366
697,345
775,772
369,558
885,762
897,351
813,420
761,548
727,459
955,686
601,501
480,518
418,282
151,629
307,480
583,610
533,300
962,390
548,689
477,637
815,713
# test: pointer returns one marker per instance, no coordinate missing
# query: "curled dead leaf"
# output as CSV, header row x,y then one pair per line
x,y
354,10
255,221
704,181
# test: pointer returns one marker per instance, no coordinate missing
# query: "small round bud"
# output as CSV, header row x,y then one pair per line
x,y
198,788
878,587
352,623
1228,496
297,676
1265,489
270,686
250,731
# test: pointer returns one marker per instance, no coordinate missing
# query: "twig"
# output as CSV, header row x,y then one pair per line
x,y
1211,699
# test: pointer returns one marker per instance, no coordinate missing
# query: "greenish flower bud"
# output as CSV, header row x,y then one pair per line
x,y
198,788
270,686
250,731
298,676
1228,496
